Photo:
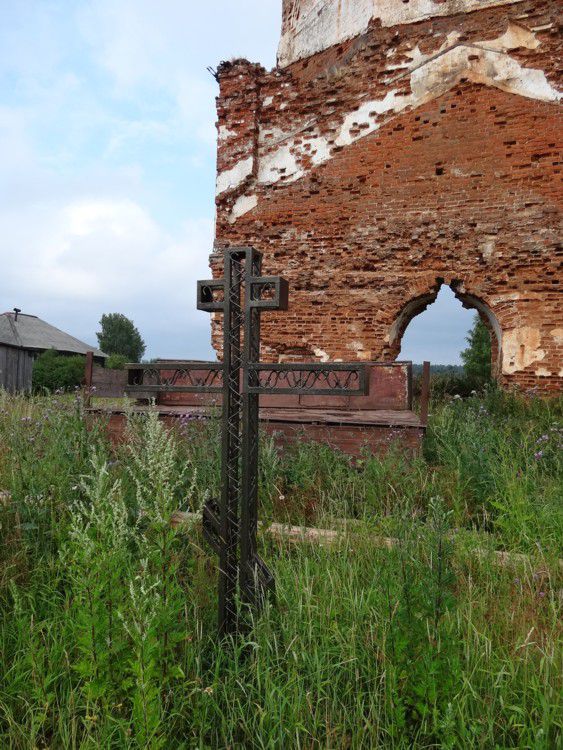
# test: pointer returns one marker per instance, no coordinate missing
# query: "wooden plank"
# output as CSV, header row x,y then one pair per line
x,y
16,366
330,538
383,418
171,364
387,417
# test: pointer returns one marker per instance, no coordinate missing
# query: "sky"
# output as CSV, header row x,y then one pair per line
x,y
107,165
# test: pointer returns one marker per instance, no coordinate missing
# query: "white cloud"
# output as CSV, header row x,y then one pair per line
x,y
105,109
166,47
97,255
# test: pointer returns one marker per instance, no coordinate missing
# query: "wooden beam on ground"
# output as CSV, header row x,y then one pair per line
x,y
330,538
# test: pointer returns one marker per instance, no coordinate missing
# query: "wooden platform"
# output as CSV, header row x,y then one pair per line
x,y
354,433
353,424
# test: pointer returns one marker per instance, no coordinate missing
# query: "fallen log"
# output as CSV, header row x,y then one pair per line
x,y
330,537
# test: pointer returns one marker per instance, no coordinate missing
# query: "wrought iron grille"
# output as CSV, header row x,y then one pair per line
x,y
312,379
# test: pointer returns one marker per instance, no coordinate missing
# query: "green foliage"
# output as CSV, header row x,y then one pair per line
x,y
53,371
448,381
116,362
477,357
120,336
446,384
423,650
108,633
454,380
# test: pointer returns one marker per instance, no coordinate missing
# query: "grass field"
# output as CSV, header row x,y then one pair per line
x,y
107,614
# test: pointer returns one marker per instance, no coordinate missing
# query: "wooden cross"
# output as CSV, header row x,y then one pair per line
x,y
230,524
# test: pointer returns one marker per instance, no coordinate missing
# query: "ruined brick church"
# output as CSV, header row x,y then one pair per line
x,y
397,146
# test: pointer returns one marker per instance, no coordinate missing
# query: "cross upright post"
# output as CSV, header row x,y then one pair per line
x,y
261,293
240,295
230,524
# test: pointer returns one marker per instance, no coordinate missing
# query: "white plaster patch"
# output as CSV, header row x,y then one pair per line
x,y
318,24
321,354
542,372
487,247
271,136
225,133
557,335
242,206
417,57
318,150
521,348
480,66
232,178
355,346
277,164
514,37
428,81
364,117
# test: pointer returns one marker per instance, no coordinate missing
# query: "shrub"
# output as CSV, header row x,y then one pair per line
x,y
446,383
52,371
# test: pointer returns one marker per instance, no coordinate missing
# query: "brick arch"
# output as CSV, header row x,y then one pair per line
x,y
425,296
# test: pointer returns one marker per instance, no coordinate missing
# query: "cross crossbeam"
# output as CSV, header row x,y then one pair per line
x,y
230,523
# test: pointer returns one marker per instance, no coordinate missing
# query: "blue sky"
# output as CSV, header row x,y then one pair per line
x,y
107,165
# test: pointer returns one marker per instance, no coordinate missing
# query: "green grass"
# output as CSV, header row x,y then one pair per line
x,y
107,615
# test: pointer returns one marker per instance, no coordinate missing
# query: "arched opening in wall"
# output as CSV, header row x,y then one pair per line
x,y
435,326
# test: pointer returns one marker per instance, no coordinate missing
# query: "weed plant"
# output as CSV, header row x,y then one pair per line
x,y
107,612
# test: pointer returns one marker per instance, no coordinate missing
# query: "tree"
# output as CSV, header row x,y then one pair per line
x,y
477,357
119,336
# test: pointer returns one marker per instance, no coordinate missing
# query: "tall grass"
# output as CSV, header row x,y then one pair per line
x,y
107,614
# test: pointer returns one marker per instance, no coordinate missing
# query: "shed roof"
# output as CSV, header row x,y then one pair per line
x,y
30,332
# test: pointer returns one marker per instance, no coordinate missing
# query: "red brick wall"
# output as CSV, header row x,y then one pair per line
x,y
461,186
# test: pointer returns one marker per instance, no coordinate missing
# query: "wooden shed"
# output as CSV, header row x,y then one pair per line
x,y
23,338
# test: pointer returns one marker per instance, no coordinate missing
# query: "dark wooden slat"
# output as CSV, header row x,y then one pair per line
x,y
388,417
175,365
137,390
380,417
425,393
